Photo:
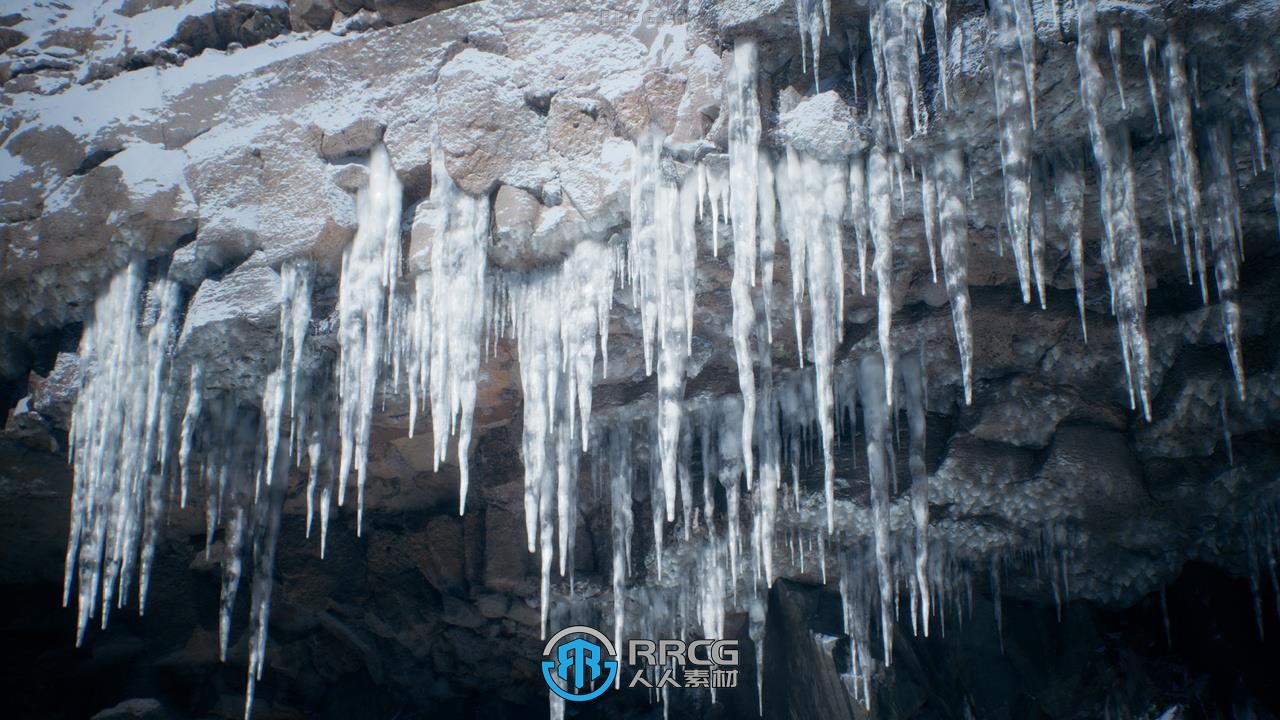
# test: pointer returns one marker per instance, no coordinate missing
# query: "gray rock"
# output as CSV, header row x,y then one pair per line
x,y
358,138
515,215
402,11
54,396
822,126
310,14
492,134
135,709
229,321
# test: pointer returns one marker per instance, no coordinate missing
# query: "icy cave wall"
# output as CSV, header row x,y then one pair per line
x,y
901,298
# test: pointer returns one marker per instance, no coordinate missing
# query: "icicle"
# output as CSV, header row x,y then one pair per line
x,y
942,40
879,194
369,268
458,262
195,389
875,417
913,392
661,258
1148,59
858,205
619,455
557,317
744,174
953,224
814,19
1015,109
929,199
1113,46
1255,113
813,198
895,44
1069,190
1225,241
1122,241
116,442
1185,164
266,530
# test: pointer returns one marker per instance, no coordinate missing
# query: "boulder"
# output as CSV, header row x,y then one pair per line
x,y
229,321
310,14
492,135
823,126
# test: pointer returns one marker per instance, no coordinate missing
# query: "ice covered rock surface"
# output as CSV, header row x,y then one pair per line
x,y
641,315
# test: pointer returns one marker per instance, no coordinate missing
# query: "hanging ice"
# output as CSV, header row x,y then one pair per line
x,y
1069,191
1184,163
953,225
744,174
558,316
661,259
366,289
814,20
879,198
913,385
1226,240
813,196
875,416
444,328
1122,240
1012,53
117,443
896,40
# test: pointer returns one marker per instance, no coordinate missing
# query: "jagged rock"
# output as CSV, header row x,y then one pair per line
x,y
402,11
135,709
576,126
700,105
54,396
310,14
645,101
355,139
229,320
351,177
822,126
515,214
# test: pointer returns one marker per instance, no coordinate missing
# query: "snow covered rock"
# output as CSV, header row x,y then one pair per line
x,y
493,134
822,126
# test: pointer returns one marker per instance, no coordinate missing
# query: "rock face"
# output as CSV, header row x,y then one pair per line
x,y
1072,292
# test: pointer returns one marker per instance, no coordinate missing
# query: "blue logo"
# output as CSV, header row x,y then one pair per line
x,y
574,667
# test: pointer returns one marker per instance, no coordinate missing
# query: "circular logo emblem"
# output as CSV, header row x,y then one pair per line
x,y
581,668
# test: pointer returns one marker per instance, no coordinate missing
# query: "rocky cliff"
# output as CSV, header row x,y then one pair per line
x,y
386,338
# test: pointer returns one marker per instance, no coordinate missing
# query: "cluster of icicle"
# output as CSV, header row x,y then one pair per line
x,y
314,412
1201,195
426,334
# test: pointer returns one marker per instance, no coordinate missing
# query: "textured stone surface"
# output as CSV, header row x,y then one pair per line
x,y
253,155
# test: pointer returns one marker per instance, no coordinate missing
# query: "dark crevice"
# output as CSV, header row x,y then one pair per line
x,y
94,159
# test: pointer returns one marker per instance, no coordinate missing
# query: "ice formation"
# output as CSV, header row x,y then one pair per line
x,y
369,268
150,421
